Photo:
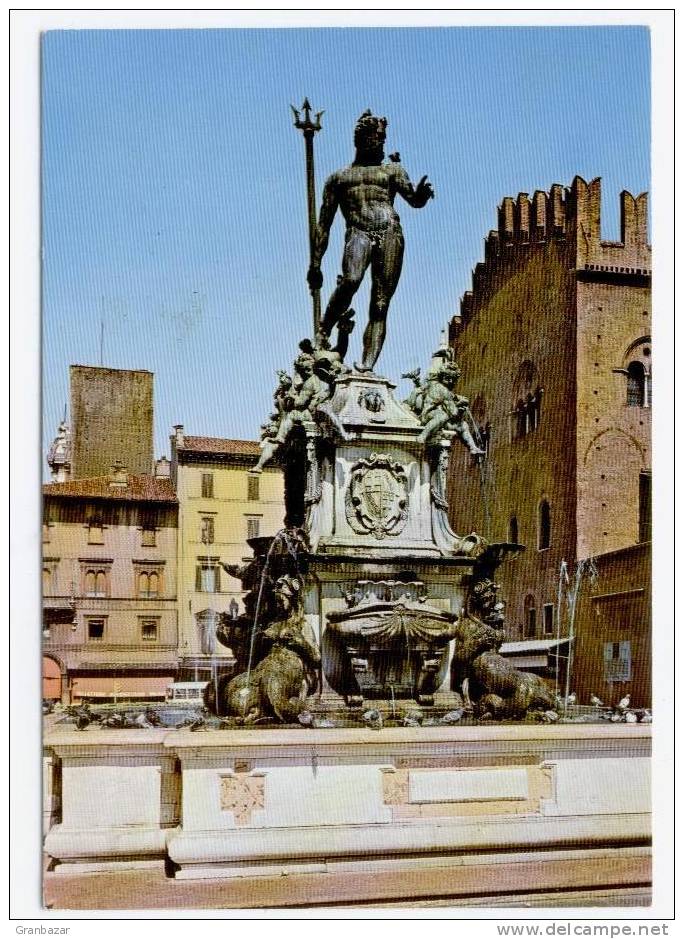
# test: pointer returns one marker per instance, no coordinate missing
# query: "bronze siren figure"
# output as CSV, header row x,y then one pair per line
x,y
365,193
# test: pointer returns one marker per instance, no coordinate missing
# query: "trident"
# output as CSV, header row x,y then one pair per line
x,y
309,128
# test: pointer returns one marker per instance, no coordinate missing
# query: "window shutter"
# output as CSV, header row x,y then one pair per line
x,y
626,660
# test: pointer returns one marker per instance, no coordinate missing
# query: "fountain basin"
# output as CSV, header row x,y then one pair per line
x,y
245,802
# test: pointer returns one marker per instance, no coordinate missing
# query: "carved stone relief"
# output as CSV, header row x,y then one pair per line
x,y
376,501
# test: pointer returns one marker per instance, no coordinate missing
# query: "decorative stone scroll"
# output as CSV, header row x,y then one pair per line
x,y
376,501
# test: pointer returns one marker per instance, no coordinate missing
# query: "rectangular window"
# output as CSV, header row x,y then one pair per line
x,y
149,630
95,532
207,485
531,624
252,527
617,661
644,506
47,581
207,578
149,537
96,629
252,488
46,533
207,531
548,619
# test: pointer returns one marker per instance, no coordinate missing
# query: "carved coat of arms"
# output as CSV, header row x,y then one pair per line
x,y
376,501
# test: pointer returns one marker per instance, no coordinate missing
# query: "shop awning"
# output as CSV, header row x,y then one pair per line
x,y
534,653
100,686
58,603
532,645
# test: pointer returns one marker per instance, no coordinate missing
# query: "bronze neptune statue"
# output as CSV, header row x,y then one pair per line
x,y
365,192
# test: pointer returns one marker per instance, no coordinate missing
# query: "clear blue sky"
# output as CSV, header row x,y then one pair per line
x,y
174,192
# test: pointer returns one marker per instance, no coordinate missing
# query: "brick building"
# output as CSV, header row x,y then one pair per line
x,y
221,505
111,413
554,344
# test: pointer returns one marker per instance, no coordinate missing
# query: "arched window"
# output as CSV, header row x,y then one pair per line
x,y
485,437
637,391
636,366
149,584
519,420
527,394
95,581
544,540
153,590
530,626
513,530
47,580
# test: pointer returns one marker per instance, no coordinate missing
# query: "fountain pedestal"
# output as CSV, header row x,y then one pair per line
x,y
386,578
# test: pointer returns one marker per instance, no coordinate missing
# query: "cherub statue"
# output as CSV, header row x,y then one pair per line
x,y
437,405
304,399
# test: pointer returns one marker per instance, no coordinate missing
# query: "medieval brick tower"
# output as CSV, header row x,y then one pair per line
x,y
111,420
554,345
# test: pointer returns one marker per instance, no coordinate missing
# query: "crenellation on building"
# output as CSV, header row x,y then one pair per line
x,y
539,215
563,214
521,217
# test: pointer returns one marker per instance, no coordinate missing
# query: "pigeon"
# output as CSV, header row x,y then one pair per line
x,y
630,717
322,723
571,699
305,718
646,717
412,719
597,702
624,703
198,724
616,716
115,721
153,718
550,717
141,720
452,717
372,718
83,720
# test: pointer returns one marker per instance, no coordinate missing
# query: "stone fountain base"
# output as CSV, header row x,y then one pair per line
x,y
227,804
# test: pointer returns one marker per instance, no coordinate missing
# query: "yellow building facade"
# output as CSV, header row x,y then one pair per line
x,y
221,504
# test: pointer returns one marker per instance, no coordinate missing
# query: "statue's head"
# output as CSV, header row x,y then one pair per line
x,y
304,364
369,136
287,591
450,374
284,380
